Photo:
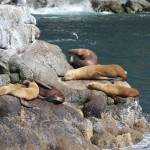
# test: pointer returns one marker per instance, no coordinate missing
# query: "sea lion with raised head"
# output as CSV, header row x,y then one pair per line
x,y
113,90
86,57
49,93
96,72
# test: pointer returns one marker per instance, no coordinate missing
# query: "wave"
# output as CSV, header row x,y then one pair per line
x,y
143,145
65,8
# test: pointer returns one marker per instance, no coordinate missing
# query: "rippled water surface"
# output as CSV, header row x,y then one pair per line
x,y
116,39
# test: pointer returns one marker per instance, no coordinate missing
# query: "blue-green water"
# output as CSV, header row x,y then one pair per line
x,y
116,39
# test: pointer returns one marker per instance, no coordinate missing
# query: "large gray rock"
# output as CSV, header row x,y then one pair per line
x,y
17,30
42,61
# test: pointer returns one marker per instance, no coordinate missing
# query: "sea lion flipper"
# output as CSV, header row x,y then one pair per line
x,y
25,103
43,84
41,97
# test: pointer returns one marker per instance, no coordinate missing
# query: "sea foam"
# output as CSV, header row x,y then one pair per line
x,y
65,8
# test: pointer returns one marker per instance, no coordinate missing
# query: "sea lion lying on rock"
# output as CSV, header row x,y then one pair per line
x,y
86,57
49,94
27,90
96,72
113,90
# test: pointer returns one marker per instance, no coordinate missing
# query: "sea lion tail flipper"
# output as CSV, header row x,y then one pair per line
x,y
25,103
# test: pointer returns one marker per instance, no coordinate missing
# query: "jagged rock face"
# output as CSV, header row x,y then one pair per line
x,y
120,6
46,126
17,30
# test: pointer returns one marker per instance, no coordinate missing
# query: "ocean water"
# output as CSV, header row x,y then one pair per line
x,y
122,39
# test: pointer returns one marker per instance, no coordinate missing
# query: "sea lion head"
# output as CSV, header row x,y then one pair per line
x,y
69,75
80,52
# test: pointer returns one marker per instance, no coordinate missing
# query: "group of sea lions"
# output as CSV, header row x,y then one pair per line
x,y
87,67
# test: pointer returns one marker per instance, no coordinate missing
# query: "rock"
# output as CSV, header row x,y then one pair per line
x,y
47,57
49,126
16,32
14,77
3,67
147,9
9,106
4,79
135,6
116,7
119,6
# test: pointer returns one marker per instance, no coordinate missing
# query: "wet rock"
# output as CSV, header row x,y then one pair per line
x,y
135,6
116,7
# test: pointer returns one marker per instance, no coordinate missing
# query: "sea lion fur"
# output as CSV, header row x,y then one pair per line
x,y
114,90
26,90
86,57
49,93
96,72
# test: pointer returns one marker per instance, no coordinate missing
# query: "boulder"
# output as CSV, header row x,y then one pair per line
x,y
116,7
17,30
135,6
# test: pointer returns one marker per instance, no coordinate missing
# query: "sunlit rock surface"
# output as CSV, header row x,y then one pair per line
x,y
17,30
88,119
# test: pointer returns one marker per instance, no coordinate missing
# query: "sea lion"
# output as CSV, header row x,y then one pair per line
x,y
49,93
86,57
96,72
27,90
114,90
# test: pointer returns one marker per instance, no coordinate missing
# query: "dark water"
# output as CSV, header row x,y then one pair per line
x,y
116,39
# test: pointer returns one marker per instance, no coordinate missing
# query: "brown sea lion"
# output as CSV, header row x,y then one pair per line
x,y
27,90
96,72
86,57
49,93
114,90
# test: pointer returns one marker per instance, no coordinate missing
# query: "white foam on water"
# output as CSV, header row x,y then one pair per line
x,y
143,145
61,40
65,8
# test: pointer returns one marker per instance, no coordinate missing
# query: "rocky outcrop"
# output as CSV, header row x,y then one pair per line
x,y
121,6
17,30
88,119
